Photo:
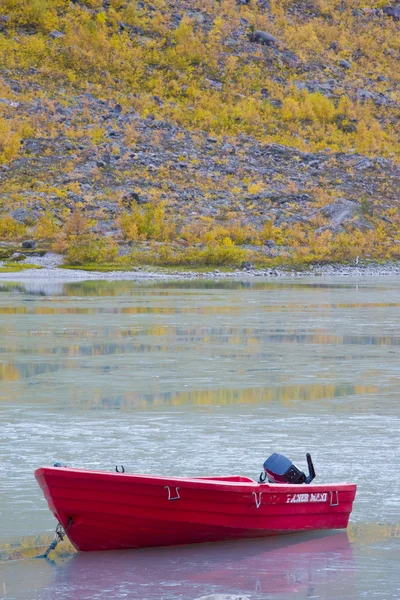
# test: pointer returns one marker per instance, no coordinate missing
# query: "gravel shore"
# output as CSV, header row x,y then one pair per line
x,y
51,271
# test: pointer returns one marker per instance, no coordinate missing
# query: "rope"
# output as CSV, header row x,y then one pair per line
x,y
59,535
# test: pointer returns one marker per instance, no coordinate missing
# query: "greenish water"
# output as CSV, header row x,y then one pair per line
x,y
197,378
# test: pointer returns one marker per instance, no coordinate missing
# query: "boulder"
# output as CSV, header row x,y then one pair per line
x,y
29,244
25,215
55,35
196,16
341,213
262,37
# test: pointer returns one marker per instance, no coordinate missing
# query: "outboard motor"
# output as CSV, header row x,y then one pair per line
x,y
279,469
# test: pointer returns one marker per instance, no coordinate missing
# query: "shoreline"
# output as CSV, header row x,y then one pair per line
x,y
65,275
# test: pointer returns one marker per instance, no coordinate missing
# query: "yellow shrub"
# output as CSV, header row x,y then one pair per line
x,y
222,253
37,13
370,139
11,229
148,223
129,227
189,46
87,249
217,232
77,224
255,188
317,107
10,142
46,228
290,109
195,232
270,232
344,248
242,234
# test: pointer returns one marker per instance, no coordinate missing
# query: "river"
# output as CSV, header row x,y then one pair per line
x,y
194,378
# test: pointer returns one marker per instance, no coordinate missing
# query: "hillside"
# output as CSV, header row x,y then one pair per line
x,y
200,132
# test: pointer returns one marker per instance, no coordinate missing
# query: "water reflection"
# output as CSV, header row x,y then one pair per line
x,y
285,395
98,288
201,378
43,287
171,310
291,565
15,371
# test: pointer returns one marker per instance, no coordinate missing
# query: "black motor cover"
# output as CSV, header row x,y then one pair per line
x,y
280,469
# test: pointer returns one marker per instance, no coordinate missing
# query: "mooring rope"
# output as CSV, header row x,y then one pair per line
x,y
59,535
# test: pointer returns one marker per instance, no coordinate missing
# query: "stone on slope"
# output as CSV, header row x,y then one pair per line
x,y
262,37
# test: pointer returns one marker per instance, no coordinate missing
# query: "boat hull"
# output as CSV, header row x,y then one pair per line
x,y
104,511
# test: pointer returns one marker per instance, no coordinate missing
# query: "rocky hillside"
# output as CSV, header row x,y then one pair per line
x,y
201,130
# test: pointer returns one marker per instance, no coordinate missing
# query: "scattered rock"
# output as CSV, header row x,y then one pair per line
x,y
47,260
285,198
247,266
368,12
55,35
9,102
378,98
133,197
345,124
202,174
392,11
345,64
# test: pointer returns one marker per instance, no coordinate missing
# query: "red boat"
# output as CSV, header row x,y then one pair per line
x,y
104,511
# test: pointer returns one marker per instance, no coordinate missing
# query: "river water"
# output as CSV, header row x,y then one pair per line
x,y
202,378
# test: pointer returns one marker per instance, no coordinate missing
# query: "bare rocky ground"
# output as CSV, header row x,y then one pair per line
x,y
94,151
195,174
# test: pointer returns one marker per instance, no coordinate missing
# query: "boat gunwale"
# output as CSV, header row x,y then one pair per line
x,y
199,483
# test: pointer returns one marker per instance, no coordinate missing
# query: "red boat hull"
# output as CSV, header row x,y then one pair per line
x,y
105,511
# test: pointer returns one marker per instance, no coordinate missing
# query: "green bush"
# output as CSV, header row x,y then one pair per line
x,y
220,253
89,249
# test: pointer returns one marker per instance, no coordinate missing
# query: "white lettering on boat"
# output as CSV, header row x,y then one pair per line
x,y
315,497
294,498
319,497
